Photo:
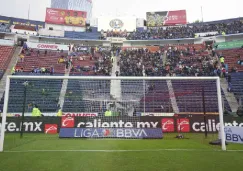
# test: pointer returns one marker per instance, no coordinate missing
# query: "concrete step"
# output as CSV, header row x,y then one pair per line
x,y
63,90
12,63
230,97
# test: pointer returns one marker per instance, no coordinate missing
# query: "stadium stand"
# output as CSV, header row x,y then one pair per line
x,y
44,93
234,27
237,82
88,97
232,56
34,61
6,53
82,35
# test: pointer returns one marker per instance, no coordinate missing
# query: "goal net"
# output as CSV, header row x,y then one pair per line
x,y
38,108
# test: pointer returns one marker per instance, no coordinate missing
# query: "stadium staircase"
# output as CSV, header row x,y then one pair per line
x,y
172,96
115,84
164,58
63,90
12,63
230,97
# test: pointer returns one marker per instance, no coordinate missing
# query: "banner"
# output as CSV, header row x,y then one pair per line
x,y
166,18
234,134
157,114
66,17
133,133
116,39
117,24
229,45
185,123
47,46
70,114
14,21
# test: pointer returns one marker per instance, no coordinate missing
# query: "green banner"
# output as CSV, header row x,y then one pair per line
x,y
229,45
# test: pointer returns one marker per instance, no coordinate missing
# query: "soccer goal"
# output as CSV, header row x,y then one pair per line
x,y
56,107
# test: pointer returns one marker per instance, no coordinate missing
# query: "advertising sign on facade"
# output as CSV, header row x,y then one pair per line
x,y
66,17
47,46
166,18
117,24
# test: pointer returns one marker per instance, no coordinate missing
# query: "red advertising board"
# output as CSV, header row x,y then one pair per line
x,y
65,17
158,19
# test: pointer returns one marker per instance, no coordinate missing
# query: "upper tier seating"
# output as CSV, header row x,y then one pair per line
x,y
82,35
234,27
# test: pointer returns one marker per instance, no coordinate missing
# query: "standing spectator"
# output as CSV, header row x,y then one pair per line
x,y
222,60
52,70
38,53
117,73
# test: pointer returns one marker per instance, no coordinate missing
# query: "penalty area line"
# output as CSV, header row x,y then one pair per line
x,y
118,151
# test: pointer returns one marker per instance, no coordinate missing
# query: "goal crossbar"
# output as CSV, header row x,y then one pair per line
x,y
6,97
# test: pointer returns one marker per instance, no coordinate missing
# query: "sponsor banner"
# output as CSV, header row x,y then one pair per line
x,y
157,114
158,19
117,24
66,17
14,21
234,134
47,46
229,45
53,114
117,122
110,133
116,40
212,33
185,123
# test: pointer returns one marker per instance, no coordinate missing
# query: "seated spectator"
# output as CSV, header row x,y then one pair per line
x,y
61,60
21,56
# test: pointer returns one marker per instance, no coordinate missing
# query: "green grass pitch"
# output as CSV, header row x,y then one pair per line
x,y
39,152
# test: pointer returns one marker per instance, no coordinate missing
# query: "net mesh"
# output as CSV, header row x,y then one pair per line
x,y
176,96
173,106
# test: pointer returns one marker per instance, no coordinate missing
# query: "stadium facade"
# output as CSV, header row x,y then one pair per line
x,y
79,5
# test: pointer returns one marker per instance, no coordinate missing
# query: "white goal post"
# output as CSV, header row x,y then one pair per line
x,y
97,78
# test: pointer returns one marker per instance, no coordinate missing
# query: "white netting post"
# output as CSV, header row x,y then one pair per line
x,y
4,114
221,117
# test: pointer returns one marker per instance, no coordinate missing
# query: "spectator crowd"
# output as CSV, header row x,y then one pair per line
x,y
186,61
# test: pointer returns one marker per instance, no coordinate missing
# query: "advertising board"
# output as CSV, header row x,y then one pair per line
x,y
47,46
234,134
66,17
166,18
117,24
133,133
194,124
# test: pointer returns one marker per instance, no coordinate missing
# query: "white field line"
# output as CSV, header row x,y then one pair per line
x,y
118,151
